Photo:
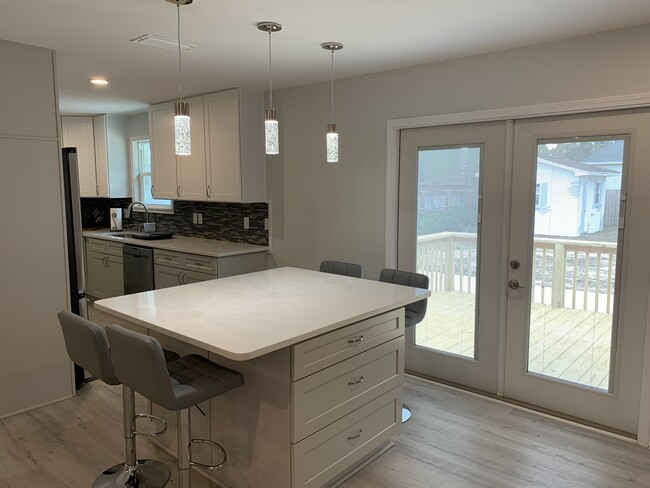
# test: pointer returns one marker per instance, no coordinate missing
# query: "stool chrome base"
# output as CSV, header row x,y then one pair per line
x,y
148,474
406,413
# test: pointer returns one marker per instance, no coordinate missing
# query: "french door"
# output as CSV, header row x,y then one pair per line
x,y
538,269
450,228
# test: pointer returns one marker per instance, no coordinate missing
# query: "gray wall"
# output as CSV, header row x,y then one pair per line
x,y
323,211
139,125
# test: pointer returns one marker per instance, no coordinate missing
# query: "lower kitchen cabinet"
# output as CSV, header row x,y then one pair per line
x,y
175,268
104,273
166,276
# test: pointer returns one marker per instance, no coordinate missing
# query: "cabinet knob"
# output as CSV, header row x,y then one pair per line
x,y
208,191
97,189
178,190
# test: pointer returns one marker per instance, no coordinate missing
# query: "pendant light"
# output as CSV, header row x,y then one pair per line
x,y
271,135
332,138
181,108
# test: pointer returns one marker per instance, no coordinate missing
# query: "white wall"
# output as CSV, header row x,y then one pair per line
x,y
323,211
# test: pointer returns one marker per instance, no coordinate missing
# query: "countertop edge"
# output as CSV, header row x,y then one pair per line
x,y
174,244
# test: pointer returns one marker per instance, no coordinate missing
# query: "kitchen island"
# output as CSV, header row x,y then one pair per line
x,y
322,357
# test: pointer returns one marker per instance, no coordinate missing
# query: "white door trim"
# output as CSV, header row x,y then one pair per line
x,y
394,126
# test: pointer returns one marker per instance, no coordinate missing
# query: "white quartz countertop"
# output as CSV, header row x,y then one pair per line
x,y
193,245
246,316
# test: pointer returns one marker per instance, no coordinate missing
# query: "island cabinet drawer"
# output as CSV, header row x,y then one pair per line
x,y
322,457
325,397
320,352
107,247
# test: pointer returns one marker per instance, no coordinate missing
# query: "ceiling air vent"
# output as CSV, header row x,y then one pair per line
x,y
161,42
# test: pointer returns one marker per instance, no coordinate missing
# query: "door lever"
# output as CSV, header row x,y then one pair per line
x,y
514,285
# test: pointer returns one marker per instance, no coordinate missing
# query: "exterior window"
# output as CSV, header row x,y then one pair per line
x,y
141,167
541,196
597,193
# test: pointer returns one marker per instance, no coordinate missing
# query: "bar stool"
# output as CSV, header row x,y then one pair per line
x,y
178,385
414,312
87,346
342,268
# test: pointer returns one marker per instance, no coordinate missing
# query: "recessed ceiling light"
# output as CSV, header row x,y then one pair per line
x,y
161,42
98,81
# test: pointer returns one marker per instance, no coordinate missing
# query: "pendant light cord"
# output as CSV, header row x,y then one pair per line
x,y
332,86
270,74
180,66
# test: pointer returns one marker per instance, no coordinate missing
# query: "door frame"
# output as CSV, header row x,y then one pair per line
x,y
394,128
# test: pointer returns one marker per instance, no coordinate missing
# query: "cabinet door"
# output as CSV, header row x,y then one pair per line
x,y
101,165
97,275
116,276
166,276
196,277
163,153
222,146
78,132
191,169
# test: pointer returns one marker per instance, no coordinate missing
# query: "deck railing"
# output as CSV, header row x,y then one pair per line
x,y
567,273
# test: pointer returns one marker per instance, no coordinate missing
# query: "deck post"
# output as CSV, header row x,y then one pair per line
x,y
559,275
450,264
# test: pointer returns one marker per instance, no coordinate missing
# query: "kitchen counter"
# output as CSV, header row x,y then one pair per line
x,y
246,316
192,245
323,360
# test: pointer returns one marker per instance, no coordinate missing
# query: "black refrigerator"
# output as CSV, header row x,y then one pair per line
x,y
72,199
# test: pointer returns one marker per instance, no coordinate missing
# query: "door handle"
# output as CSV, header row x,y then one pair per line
x,y
514,285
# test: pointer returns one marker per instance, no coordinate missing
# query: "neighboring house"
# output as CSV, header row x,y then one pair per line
x,y
611,158
570,197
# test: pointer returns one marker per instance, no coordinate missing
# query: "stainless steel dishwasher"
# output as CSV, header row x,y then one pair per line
x,y
138,269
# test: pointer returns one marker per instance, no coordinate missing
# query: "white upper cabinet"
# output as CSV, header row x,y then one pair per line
x,y
163,154
191,169
102,153
227,160
177,177
234,134
78,132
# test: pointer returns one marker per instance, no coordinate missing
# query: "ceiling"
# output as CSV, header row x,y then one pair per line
x,y
91,38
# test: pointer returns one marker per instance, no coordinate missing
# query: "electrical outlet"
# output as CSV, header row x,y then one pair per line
x,y
247,223
195,219
266,224
200,218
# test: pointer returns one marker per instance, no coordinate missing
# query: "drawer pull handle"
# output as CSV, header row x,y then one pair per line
x,y
354,437
356,382
355,341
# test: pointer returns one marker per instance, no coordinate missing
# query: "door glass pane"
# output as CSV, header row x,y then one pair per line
x,y
577,199
447,209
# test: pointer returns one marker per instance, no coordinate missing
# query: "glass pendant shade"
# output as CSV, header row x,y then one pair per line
x,y
182,129
271,135
332,144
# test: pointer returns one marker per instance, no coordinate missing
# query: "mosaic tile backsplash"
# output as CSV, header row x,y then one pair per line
x,y
222,221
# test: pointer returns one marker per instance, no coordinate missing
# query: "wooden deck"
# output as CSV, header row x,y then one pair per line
x,y
572,345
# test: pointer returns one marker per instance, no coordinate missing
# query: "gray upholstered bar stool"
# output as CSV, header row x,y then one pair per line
x,y
414,312
178,385
87,346
342,268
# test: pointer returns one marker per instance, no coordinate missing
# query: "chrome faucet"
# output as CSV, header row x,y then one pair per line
x,y
127,214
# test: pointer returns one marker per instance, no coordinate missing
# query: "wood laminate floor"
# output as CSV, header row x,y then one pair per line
x,y
454,439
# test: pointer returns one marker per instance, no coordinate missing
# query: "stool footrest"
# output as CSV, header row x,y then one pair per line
x,y
150,417
211,444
